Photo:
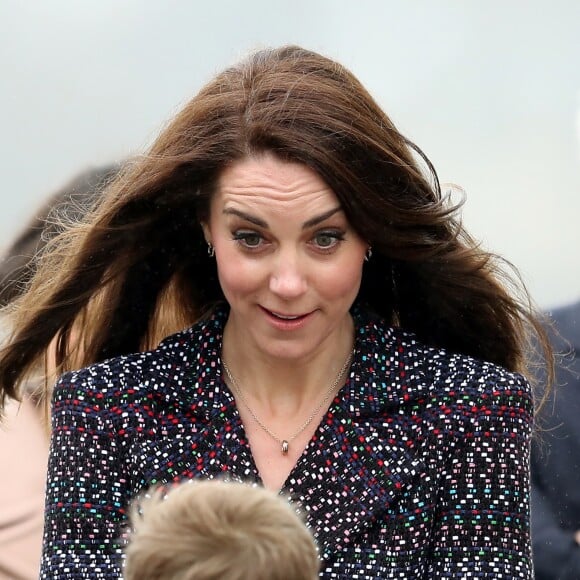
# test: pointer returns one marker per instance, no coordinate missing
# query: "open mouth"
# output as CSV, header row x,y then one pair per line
x,y
285,317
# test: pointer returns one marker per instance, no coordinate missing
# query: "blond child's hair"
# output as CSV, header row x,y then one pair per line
x,y
210,530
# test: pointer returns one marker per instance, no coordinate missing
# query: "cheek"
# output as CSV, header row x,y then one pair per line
x,y
237,276
342,282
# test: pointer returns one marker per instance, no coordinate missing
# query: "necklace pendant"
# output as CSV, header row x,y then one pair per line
x,y
285,447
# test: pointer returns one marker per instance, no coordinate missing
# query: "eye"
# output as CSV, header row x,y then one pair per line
x,y
248,239
328,239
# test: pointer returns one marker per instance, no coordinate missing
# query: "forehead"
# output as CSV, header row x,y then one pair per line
x,y
267,180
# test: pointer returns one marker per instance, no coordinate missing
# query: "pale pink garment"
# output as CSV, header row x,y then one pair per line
x,y
23,458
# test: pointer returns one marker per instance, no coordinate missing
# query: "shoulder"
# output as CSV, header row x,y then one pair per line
x,y
472,374
437,377
470,397
169,367
130,370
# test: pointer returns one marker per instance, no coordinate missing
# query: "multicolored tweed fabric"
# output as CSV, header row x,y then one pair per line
x,y
420,468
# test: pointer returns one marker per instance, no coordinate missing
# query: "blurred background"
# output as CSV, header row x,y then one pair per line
x,y
489,90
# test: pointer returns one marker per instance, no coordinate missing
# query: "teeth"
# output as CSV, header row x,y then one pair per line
x,y
285,317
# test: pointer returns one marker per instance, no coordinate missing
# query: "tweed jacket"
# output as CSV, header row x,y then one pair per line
x,y
419,469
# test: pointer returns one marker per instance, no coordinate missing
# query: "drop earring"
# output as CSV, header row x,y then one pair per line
x,y
210,250
368,254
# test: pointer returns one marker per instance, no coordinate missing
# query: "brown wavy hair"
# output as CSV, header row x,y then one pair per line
x,y
143,249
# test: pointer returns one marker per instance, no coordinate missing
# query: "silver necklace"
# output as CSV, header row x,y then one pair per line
x,y
285,443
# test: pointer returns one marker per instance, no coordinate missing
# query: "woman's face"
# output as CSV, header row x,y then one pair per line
x,y
288,261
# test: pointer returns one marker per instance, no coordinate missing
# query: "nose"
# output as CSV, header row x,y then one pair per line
x,y
287,279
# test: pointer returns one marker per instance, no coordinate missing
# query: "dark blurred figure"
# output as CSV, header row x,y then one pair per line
x,y
23,435
69,204
556,461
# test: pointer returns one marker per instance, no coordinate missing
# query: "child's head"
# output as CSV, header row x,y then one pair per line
x,y
209,530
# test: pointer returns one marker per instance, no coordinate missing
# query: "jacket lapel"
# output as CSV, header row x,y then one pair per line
x,y
364,456
361,469
198,429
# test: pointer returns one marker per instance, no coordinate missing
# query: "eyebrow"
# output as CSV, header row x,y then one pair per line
x,y
261,223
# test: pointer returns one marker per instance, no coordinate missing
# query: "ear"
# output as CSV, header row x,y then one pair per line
x,y
206,232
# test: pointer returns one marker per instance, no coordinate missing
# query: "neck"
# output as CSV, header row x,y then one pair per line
x,y
290,384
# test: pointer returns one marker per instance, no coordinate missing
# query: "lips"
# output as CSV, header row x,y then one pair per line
x,y
286,319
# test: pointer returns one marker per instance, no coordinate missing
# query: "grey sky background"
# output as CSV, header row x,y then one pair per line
x,y
489,90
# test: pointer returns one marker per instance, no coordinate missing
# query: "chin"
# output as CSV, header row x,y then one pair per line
x,y
284,351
